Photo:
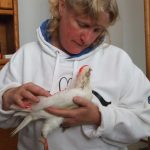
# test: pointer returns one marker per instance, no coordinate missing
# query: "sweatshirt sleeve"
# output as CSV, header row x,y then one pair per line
x,y
127,119
8,79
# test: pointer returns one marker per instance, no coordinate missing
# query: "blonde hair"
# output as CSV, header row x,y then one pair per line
x,y
91,8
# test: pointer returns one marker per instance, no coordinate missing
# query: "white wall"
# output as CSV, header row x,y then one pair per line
x,y
128,33
31,14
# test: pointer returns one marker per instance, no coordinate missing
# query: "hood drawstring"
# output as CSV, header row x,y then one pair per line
x,y
74,73
56,71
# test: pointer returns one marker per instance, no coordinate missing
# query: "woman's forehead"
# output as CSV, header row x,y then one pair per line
x,y
101,21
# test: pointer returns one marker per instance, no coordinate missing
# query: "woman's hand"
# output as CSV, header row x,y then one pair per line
x,y
23,96
86,113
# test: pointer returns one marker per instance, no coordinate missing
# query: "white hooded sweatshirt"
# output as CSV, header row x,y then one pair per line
x,y
121,91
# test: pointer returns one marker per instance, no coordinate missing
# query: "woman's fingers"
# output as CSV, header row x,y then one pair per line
x,y
30,97
85,113
36,90
24,95
30,92
69,122
20,103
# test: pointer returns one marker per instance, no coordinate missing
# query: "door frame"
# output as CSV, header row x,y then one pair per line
x,y
147,35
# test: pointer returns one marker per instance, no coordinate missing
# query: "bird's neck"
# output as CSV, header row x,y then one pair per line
x,y
82,85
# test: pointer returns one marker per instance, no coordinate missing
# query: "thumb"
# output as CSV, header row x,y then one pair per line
x,y
80,101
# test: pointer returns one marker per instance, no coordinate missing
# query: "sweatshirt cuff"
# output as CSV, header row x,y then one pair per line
x,y
91,131
7,87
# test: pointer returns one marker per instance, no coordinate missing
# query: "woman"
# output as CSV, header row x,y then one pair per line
x,y
74,36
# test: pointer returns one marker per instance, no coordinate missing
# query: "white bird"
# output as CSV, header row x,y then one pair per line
x,y
62,99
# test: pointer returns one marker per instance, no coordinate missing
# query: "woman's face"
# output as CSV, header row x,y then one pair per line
x,y
78,32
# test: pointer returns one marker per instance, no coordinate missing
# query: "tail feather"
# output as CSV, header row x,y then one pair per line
x,y
27,120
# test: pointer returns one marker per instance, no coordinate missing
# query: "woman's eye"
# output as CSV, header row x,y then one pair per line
x,y
98,30
82,25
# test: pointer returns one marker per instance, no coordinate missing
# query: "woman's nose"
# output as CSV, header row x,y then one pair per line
x,y
86,37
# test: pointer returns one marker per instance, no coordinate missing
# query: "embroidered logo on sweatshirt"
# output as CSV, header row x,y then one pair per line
x,y
64,83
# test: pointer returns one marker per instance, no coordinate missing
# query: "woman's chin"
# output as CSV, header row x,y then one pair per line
x,y
74,52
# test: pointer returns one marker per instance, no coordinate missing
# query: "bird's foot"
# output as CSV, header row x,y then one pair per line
x,y
44,142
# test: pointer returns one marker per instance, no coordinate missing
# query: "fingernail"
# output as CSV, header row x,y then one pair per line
x,y
46,109
37,100
75,99
47,94
28,106
23,106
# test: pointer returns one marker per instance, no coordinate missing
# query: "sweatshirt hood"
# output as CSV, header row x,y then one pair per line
x,y
44,40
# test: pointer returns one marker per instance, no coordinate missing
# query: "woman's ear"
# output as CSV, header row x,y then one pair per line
x,y
61,6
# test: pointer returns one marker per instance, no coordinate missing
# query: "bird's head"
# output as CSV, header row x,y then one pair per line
x,y
83,77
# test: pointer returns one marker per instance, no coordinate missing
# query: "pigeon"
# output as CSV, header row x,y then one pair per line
x,y
62,99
